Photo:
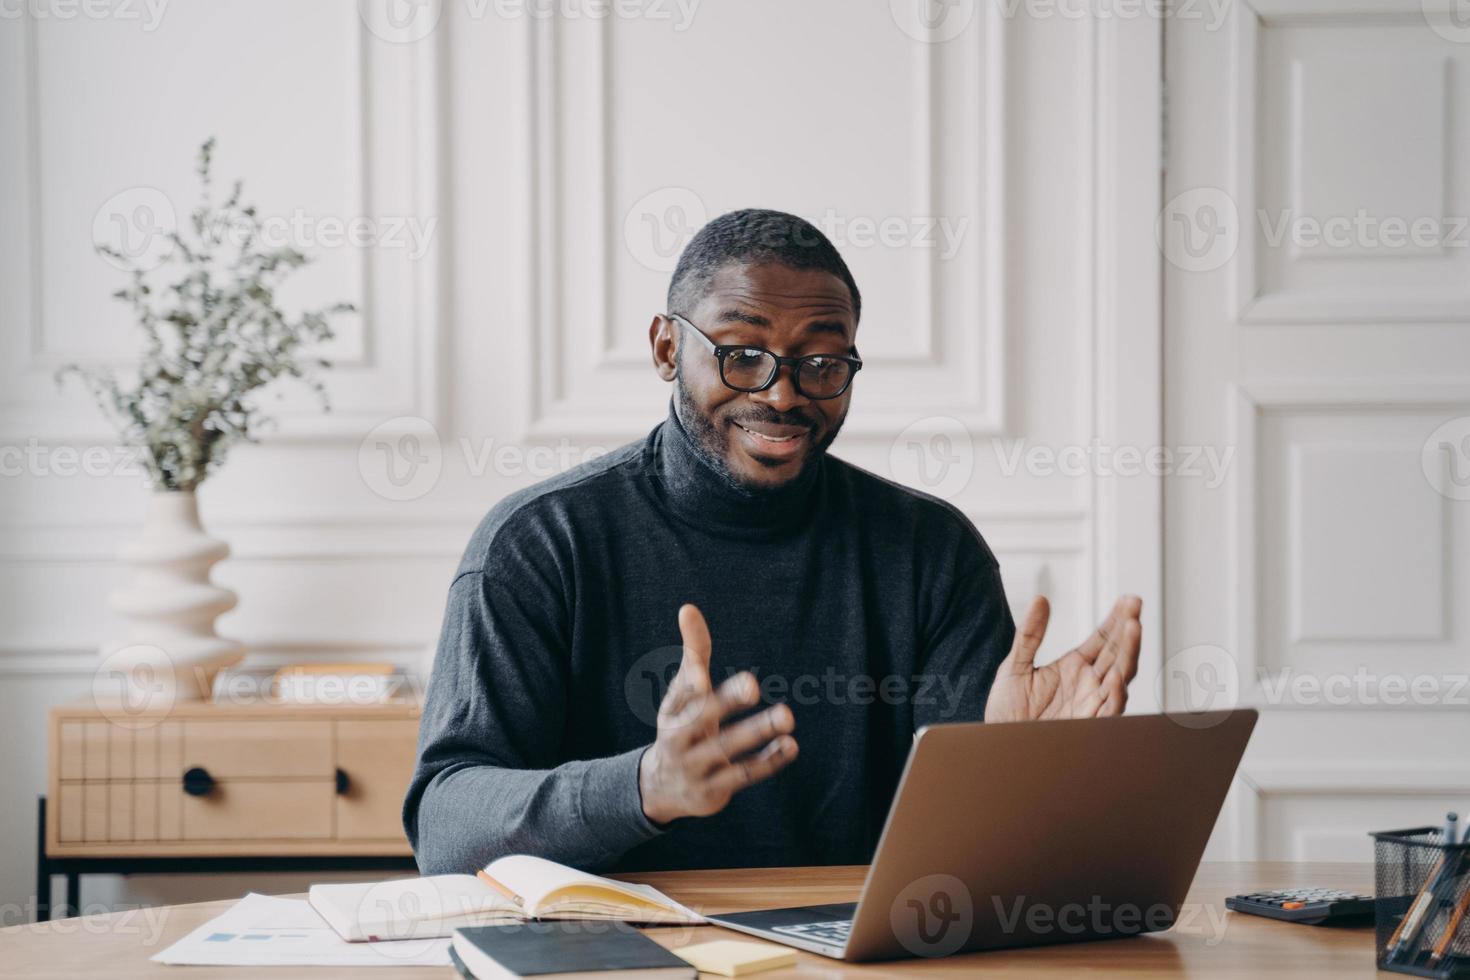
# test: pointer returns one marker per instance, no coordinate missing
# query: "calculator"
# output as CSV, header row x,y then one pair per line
x,y
1309,906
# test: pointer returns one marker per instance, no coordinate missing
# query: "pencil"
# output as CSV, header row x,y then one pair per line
x,y
500,888
1450,927
1416,910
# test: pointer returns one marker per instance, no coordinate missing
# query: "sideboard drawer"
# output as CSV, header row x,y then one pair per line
x,y
258,749
257,779
259,810
376,760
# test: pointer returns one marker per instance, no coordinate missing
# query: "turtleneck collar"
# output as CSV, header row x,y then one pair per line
x,y
701,495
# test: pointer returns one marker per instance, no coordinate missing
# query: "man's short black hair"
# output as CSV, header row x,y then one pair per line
x,y
750,237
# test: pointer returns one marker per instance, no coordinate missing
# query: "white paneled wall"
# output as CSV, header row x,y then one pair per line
x,y
1316,313
523,183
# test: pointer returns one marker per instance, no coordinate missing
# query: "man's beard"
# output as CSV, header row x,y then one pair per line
x,y
712,443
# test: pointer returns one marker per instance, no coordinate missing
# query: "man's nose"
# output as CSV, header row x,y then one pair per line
x,y
782,395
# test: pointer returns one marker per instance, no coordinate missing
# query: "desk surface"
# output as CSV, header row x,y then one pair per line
x,y
1207,939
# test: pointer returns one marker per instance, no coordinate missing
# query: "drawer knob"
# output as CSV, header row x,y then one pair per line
x,y
343,783
198,782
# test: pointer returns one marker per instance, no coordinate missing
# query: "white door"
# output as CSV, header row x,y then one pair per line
x,y
1317,339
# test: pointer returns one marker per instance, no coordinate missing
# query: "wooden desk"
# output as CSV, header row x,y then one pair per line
x,y
1212,942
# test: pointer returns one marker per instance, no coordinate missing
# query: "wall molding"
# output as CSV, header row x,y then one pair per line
x,y
1248,404
396,91
1256,306
554,413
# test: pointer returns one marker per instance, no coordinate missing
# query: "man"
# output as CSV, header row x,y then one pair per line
x,y
817,606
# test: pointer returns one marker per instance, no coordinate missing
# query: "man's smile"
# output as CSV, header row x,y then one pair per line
x,y
772,440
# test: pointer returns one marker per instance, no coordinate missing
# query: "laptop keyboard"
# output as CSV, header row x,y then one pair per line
x,y
831,933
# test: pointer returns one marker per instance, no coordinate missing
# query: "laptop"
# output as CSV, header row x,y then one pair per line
x,y
1030,833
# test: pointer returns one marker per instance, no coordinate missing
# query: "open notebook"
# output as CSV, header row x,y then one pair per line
x,y
511,889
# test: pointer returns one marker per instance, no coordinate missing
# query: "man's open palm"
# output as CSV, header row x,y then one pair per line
x,y
1091,680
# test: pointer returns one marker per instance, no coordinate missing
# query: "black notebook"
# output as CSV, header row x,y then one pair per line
x,y
565,951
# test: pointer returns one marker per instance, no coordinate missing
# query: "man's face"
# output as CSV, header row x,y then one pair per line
x,y
761,439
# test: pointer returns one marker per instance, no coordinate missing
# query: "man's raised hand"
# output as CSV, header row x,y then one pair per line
x,y
697,762
1089,681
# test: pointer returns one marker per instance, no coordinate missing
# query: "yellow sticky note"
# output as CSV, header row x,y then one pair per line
x,y
732,958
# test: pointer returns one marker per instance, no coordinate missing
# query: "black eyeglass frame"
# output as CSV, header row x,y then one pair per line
x,y
724,350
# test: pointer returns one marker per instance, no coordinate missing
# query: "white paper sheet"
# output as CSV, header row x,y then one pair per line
x,y
260,930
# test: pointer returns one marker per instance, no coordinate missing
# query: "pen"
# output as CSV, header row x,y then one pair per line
x,y
1449,930
506,892
1428,901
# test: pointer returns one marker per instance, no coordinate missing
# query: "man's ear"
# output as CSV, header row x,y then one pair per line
x,y
664,343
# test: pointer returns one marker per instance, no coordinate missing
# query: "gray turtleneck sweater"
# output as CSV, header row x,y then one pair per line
x,y
869,608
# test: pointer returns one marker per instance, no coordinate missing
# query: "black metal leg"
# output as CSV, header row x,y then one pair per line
x,y
74,893
43,868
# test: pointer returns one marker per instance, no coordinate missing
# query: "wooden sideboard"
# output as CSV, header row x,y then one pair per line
x,y
201,783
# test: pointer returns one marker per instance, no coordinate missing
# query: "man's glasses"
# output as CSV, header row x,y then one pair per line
x,y
746,368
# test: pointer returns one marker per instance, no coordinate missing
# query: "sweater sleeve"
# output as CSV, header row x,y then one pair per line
x,y
485,783
969,634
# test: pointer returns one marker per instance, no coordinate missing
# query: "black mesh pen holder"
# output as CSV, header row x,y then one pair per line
x,y
1421,920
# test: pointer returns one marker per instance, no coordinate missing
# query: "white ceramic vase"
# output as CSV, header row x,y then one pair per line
x,y
170,604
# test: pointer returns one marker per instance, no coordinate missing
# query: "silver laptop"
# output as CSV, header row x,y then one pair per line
x,y
1031,833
